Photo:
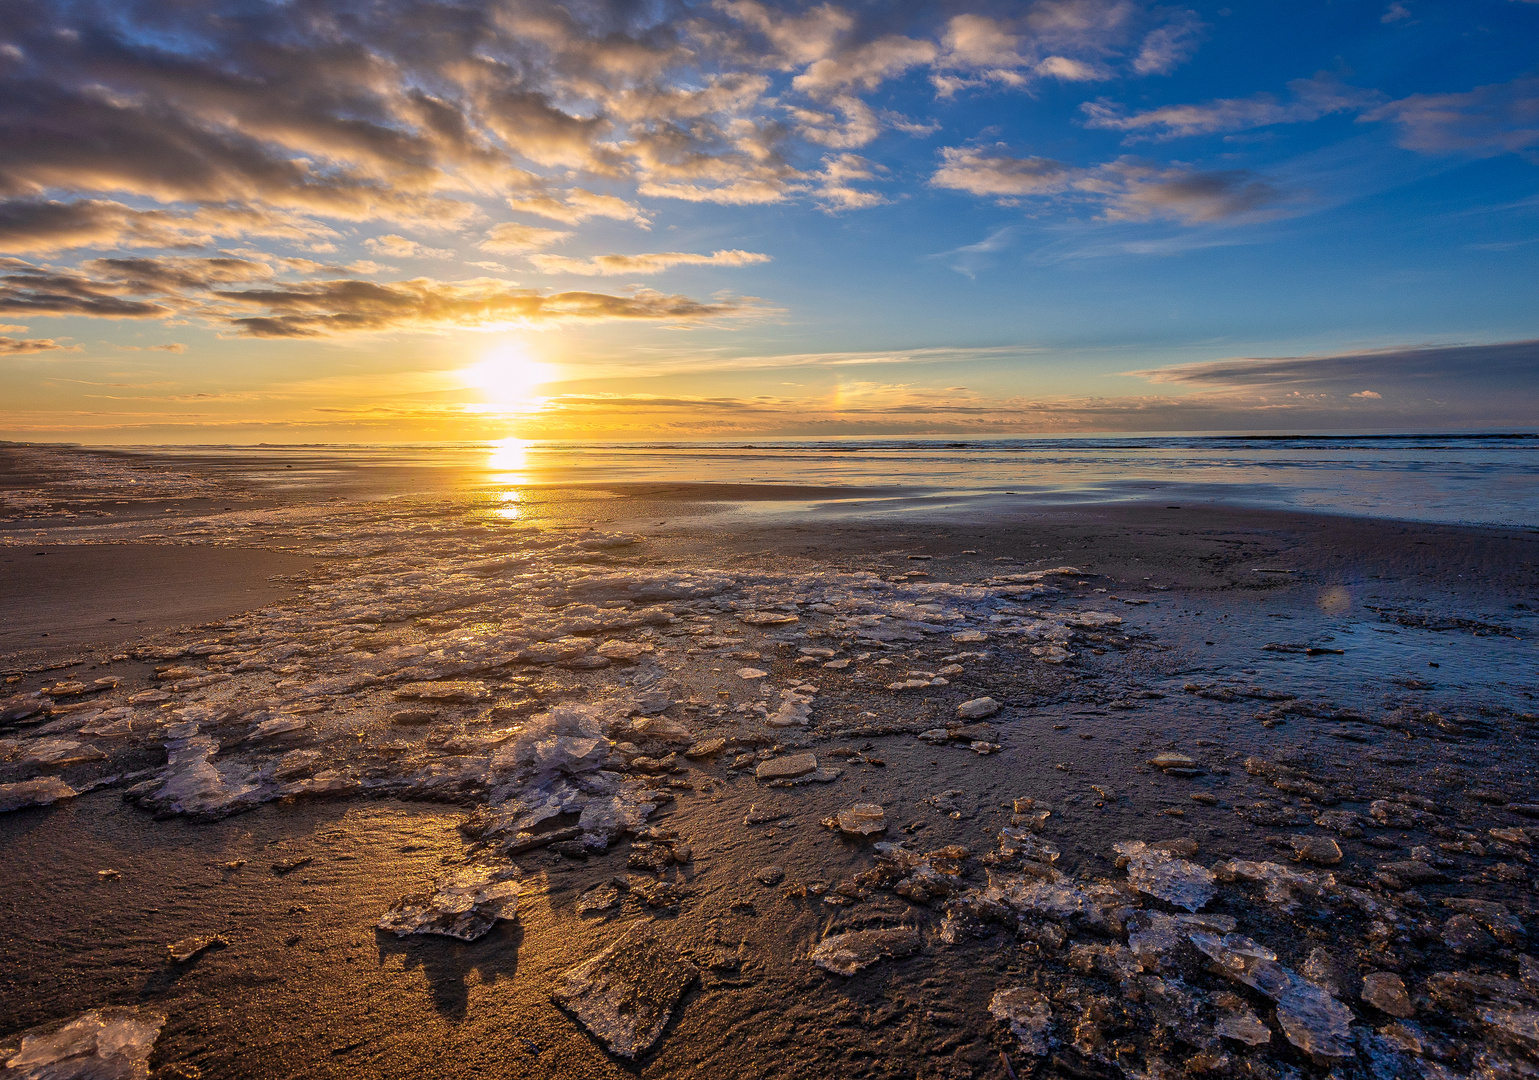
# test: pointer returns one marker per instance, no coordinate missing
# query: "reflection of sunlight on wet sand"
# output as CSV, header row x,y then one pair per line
x,y
508,462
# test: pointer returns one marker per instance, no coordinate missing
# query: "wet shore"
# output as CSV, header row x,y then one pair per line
x,y
1091,791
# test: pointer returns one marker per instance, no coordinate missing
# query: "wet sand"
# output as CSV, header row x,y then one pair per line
x,y
1380,694
57,600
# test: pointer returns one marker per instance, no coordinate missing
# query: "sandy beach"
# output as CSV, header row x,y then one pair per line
x,y
1092,790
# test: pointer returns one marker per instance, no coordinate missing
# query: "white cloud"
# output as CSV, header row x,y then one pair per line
x,y
653,263
398,247
1310,99
513,238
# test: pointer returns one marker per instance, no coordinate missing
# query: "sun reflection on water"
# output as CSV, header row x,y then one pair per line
x,y
508,463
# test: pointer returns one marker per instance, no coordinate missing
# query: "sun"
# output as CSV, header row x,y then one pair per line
x,y
508,378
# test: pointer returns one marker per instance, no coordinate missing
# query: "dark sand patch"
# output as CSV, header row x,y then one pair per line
x,y
56,598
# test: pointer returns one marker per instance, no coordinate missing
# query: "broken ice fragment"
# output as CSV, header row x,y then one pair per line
x,y
862,819
189,947
1385,991
1029,1015
103,1044
1245,1027
652,702
457,692
1315,849
625,995
978,708
40,792
1281,881
1161,875
1169,760
1312,1019
623,652
768,618
278,728
60,752
784,768
845,954
464,904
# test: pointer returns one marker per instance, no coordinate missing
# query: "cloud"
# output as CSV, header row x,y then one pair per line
x,y
1069,40
577,205
27,346
864,67
43,225
31,291
334,308
1463,371
834,183
170,276
398,247
859,124
1502,118
512,238
1167,47
1136,191
980,171
655,263
1127,189
1311,99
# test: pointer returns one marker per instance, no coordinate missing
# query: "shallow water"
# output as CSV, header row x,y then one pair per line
x,y
1478,478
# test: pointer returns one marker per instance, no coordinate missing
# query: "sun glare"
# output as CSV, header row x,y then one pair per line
x,y
508,378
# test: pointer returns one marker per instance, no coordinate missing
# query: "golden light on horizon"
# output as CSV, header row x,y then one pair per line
x,y
508,378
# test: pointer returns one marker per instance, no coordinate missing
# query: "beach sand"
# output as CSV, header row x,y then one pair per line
x,y
98,597
1366,685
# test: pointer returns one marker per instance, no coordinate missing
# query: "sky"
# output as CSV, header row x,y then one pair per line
x,y
400,220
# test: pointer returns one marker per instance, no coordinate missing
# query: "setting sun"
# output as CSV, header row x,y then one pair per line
x,y
508,377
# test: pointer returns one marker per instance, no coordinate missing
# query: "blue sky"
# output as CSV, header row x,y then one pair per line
x,y
324,220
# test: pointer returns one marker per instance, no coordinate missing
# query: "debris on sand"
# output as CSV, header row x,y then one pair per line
x,y
862,819
464,904
103,1044
625,995
601,897
846,954
40,792
786,768
1244,1026
978,708
1160,874
189,947
1029,1015
1386,992
60,752
1311,1018
1321,850
768,618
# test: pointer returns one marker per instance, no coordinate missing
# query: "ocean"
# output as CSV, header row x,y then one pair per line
x,y
1486,478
